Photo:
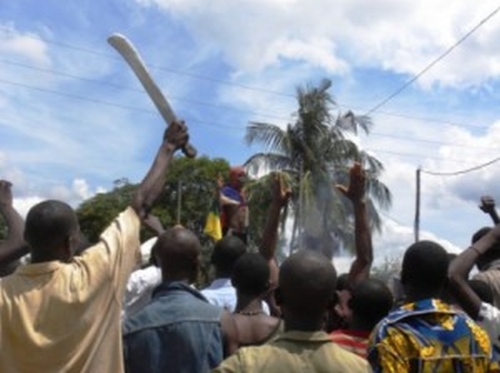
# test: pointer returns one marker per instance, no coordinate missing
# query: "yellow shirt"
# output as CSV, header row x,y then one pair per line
x,y
294,351
65,317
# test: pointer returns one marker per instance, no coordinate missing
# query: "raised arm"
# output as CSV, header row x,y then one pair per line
x,y
281,195
488,207
151,186
460,267
153,223
355,192
14,247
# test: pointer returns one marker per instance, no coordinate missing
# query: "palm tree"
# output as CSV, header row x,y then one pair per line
x,y
315,151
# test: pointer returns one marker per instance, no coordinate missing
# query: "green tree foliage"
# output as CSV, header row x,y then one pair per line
x,y
316,152
387,270
196,181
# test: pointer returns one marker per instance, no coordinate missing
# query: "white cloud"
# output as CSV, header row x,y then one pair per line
x,y
23,205
74,194
23,44
401,36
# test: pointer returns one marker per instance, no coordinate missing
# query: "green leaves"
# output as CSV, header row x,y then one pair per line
x,y
315,151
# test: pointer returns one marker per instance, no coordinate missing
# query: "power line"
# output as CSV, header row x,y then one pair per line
x,y
462,171
379,134
107,103
278,116
167,69
133,89
434,62
419,156
425,119
202,103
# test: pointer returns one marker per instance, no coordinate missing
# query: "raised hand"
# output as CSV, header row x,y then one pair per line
x,y
176,135
153,222
281,191
488,206
357,182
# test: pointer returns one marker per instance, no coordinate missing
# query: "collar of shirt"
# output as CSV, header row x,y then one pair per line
x,y
295,335
494,265
353,333
35,269
422,307
220,283
167,287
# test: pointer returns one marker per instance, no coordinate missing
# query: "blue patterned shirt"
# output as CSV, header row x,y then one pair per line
x,y
429,336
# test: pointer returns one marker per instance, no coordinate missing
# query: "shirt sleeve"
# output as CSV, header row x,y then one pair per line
x,y
232,364
139,288
385,352
489,319
116,254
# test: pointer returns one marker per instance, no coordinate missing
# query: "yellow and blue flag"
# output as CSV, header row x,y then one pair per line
x,y
213,226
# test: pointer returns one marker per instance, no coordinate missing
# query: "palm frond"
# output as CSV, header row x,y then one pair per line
x,y
267,162
270,135
350,122
379,192
371,163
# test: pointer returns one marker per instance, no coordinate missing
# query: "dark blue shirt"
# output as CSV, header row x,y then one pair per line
x,y
178,331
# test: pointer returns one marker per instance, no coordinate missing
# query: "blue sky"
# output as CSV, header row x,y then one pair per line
x,y
74,118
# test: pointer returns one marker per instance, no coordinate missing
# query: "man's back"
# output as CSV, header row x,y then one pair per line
x,y
295,351
177,332
429,336
59,317
491,277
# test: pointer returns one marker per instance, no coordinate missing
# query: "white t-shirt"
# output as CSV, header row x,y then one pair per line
x,y
222,293
140,286
489,320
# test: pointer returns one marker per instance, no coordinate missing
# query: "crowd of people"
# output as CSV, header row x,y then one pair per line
x,y
76,307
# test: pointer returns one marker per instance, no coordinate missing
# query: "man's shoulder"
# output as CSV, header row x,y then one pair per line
x,y
277,355
491,275
164,310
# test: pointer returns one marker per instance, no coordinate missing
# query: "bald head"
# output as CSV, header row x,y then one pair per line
x,y
177,250
51,230
307,284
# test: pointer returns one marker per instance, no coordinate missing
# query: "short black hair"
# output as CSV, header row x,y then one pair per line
x,y
251,274
307,281
49,223
371,301
492,254
425,267
226,252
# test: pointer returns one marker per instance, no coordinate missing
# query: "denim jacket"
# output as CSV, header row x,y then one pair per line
x,y
178,331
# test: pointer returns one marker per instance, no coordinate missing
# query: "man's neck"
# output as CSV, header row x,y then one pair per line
x,y
248,303
302,324
36,257
416,295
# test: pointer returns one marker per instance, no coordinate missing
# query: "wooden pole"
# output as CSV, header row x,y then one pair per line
x,y
179,201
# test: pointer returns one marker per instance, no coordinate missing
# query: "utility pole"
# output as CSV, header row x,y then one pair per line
x,y
416,226
179,201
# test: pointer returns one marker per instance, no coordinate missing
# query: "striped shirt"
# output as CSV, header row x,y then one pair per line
x,y
352,340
